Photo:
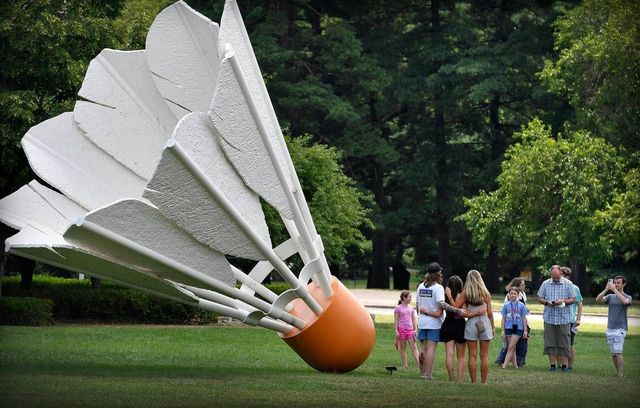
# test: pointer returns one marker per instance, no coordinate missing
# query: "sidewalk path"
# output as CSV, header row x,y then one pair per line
x,y
382,302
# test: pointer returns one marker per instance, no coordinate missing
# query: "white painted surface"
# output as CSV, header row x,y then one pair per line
x,y
143,224
160,214
181,48
39,207
77,260
181,196
125,114
60,154
242,141
234,34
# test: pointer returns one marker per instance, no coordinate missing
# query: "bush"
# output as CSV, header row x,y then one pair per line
x,y
278,287
75,299
25,311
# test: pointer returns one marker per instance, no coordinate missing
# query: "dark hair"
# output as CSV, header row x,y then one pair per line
x,y
455,284
430,278
403,295
624,280
433,267
515,282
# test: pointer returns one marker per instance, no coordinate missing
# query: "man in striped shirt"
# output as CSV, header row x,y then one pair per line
x,y
555,293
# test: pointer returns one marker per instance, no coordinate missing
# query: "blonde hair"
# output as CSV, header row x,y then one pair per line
x,y
475,290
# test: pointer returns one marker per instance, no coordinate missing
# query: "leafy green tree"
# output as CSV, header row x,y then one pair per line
x,y
549,197
45,46
469,84
336,205
620,222
598,68
324,83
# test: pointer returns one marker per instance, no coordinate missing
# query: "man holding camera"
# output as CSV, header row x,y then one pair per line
x,y
617,325
555,293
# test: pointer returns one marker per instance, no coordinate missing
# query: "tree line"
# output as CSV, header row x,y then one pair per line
x,y
489,134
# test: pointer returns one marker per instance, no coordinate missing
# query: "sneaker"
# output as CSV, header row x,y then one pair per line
x,y
426,377
565,369
552,369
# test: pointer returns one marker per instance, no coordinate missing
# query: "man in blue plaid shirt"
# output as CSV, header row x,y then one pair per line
x,y
555,293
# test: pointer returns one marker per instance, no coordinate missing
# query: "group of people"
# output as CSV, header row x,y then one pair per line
x,y
440,315
460,316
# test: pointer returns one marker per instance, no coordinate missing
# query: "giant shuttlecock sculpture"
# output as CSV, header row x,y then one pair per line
x,y
162,165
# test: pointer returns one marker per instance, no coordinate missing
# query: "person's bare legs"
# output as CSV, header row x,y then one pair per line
x,y
473,347
572,357
414,350
484,360
460,348
619,364
423,358
429,357
562,360
511,352
403,352
448,360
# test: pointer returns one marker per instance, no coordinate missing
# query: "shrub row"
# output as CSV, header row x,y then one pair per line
x,y
74,299
278,287
25,311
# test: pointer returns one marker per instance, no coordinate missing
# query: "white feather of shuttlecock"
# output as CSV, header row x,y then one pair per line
x,y
43,215
233,37
156,206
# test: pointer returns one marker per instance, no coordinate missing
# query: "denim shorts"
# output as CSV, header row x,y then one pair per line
x,y
511,332
429,334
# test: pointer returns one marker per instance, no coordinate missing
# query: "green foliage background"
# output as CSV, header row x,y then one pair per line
x,y
432,108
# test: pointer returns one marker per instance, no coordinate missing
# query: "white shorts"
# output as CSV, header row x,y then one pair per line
x,y
615,338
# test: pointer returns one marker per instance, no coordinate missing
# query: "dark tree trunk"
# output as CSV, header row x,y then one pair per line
x,y
579,277
95,283
26,272
498,146
441,225
401,276
5,232
379,276
442,194
492,275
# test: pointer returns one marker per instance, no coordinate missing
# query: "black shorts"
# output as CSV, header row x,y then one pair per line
x,y
452,329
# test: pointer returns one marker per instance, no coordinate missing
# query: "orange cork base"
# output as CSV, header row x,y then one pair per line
x,y
340,339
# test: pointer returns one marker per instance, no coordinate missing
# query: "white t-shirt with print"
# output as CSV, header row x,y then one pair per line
x,y
429,299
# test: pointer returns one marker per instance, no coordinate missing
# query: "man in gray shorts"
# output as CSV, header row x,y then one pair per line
x,y
555,293
617,326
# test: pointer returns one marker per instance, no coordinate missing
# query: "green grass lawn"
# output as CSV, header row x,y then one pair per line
x,y
219,366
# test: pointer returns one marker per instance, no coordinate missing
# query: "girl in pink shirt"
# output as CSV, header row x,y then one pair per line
x,y
406,322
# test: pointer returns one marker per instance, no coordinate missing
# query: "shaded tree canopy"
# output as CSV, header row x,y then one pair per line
x,y
549,195
424,104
